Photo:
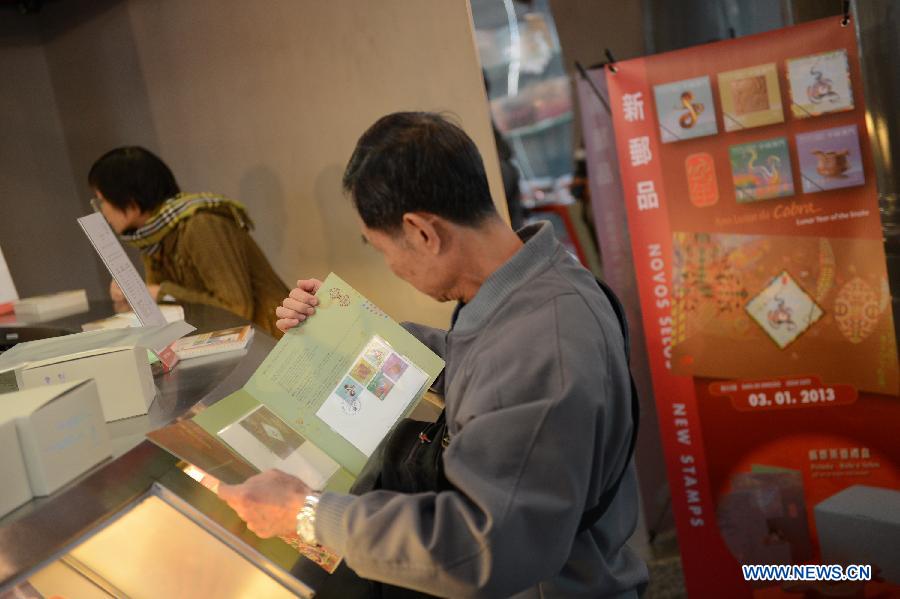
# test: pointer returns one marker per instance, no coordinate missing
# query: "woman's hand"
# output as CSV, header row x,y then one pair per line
x,y
115,292
120,302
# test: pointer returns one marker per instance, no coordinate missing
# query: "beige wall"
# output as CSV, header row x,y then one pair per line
x,y
38,199
264,102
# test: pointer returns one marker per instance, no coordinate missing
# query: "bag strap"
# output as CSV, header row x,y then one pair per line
x,y
590,517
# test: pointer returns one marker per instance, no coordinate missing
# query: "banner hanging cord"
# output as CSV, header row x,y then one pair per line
x,y
610,61
583,72
846,11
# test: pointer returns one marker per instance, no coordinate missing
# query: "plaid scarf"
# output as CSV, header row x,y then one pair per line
x,y
175,210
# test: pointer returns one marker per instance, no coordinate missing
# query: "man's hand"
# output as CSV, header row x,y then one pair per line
x,y
267,502
299,305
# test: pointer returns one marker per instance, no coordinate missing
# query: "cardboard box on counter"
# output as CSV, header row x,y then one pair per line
x,y
61,432
15,489
54,305
124,379
116,359
861,525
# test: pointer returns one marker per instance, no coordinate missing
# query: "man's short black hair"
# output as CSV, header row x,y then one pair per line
x,y
133,173
417,162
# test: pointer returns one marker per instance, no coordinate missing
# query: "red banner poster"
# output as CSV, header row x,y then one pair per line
x,y
752,209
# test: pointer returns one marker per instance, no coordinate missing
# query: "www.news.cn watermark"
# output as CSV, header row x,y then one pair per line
x,y
807,572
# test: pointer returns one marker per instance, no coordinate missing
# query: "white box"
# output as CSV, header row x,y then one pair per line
x,y
124,379
861,525
54,305
117,359
61,432
15,489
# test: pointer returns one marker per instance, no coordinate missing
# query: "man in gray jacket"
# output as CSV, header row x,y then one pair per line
x,y
536,388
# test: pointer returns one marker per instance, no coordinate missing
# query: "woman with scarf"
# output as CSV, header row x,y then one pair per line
x,y
196,246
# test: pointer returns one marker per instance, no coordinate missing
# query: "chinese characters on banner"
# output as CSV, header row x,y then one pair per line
x,y
750,193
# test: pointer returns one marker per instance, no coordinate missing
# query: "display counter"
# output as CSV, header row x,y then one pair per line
x,y
137,525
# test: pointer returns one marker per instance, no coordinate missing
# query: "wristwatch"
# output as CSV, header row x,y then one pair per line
x,y
306,519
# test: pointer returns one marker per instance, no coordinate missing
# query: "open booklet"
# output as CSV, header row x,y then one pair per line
x,y
318,405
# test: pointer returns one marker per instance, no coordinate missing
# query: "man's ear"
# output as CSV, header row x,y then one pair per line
x,y
424,232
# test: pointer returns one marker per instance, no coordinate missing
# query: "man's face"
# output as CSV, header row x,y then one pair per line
x,y
408,257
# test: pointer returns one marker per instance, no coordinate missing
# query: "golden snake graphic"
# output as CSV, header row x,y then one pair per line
x,y
769,174
689,119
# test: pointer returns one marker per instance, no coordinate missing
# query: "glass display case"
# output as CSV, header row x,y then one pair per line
x,y
528,88
160,546
145,523
138,525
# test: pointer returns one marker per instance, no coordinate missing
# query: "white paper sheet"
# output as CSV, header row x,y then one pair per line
x,y
120,267
268,442
172,313
366,404
7,287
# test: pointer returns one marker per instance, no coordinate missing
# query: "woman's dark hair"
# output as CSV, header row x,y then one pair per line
x,y
133,174
417,162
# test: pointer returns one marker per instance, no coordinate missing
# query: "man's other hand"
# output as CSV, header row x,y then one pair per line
x,y
299,305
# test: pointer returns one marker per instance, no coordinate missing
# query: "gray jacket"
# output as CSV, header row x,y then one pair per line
x,y
538,405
